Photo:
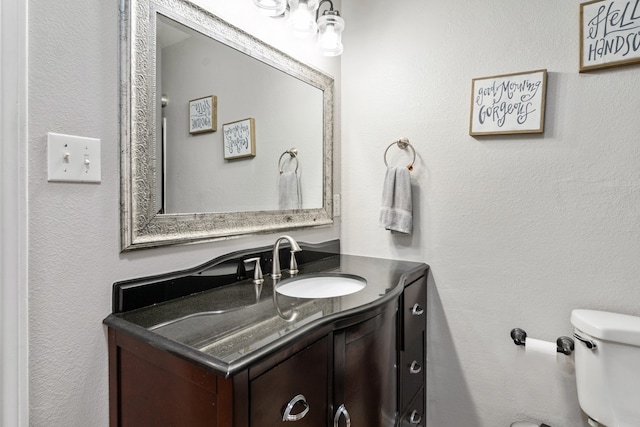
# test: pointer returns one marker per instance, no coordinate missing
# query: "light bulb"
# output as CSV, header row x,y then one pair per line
x,y
271,7
330,26
302,17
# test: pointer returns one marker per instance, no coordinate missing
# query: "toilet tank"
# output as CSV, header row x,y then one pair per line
x,y
607,361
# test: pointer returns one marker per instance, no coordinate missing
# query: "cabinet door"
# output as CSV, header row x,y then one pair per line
x,y
150,388
365,384
296,389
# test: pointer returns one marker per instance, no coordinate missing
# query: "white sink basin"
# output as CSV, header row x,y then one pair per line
x,y
323,285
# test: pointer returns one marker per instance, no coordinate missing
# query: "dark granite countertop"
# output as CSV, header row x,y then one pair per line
x,y
229,327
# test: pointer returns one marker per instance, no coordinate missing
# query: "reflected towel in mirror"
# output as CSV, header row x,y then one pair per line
x,y
396,213
289,191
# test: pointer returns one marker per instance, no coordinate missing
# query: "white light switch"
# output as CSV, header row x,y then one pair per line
x,y
336,205
73,158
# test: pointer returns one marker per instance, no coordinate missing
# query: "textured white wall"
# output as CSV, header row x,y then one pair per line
x,y
518,230
74,229
274,106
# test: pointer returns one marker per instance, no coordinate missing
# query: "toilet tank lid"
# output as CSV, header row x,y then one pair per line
x,y
608,326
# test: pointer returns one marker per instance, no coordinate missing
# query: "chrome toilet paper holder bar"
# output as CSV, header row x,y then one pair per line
x,y
564,344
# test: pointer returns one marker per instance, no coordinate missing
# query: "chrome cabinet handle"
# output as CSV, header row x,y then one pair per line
x,y
416,310
342,410
415,367
590,344
415,417
287,416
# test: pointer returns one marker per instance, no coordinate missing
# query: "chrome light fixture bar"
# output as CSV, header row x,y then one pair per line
x,y
305,21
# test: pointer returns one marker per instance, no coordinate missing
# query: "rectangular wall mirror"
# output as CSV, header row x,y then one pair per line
x,y
216,127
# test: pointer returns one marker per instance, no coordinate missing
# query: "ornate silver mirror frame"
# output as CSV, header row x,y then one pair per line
x,y
142,225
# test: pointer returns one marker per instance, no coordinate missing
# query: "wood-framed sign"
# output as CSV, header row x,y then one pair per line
x,y
203,115
508,103
239,139
609,33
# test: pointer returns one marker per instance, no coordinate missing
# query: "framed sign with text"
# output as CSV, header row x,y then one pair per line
x,y
609,33
239,139
203,115
508,103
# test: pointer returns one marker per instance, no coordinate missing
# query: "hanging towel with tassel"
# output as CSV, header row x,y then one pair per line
x,y
289,191
397,206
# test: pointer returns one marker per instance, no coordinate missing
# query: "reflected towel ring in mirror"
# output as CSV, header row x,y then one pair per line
x,y
293,153
402,143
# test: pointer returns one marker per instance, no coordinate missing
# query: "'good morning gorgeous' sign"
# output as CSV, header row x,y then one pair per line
x,y
239,139
609,33
509,103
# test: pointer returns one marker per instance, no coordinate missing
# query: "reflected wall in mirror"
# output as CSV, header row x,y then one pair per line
x,y
177,186
192,65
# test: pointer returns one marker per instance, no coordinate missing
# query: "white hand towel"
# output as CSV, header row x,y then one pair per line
x,y
397,206
289,191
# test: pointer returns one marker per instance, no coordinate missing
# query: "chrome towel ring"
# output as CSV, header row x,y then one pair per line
x,y
402,143
293,154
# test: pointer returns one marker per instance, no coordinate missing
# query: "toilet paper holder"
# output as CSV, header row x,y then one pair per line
x,y
564,344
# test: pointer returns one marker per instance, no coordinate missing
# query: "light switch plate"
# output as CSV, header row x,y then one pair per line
x,y
336,205
73,158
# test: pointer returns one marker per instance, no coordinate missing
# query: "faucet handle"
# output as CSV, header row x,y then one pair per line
x,y
293,264
258,278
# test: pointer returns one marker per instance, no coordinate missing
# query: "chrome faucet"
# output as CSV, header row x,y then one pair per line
x,y
293,265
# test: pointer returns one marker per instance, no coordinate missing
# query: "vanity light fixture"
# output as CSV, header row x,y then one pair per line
x,y
305,21
272,8
302,17
330,26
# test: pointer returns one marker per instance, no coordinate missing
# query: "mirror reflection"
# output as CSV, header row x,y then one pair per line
x,y
210,117
228,123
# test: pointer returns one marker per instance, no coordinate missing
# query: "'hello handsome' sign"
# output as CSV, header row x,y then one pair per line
x,y
609,33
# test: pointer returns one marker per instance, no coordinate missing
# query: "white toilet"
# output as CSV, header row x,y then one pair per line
x,y
607,361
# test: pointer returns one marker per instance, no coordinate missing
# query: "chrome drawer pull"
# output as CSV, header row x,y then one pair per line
x,y
415,368
416,310
415,418
287,416
342,410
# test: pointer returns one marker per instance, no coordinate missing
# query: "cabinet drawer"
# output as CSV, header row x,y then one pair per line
x,y
303,374
414,312
415,415
411,368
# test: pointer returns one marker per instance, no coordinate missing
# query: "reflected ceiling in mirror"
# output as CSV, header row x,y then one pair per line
x,y
182,183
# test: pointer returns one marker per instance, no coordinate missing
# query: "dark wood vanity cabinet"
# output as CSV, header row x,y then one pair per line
x,y
346,378
367,369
